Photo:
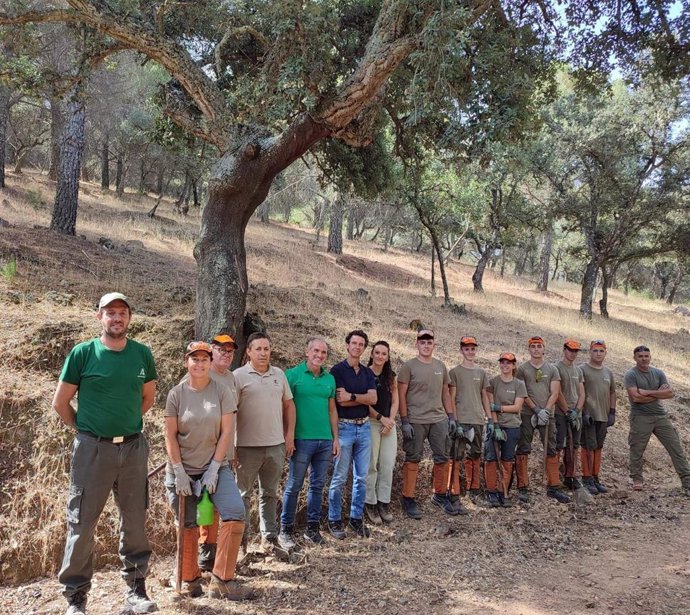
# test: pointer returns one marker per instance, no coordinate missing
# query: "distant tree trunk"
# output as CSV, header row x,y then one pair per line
x,y
195,194
478,275
388,236
351,223
119,176
606,280
85,173
545,259
503,262
264,212
589,283
335,232
677,279
105,163
420,243
56,130
4,119
160,175
521,263
64,218
433,273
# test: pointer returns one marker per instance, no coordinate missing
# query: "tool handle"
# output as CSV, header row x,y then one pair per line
x,y
180,541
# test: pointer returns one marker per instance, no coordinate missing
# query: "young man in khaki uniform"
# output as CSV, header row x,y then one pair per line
x,y
598,415
468,384
571,399
265,431
647,386
427,413
542,381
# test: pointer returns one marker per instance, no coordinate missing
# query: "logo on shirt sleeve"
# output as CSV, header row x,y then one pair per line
x,y
142,373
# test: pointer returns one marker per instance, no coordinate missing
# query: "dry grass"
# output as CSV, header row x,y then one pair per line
x,y
296,288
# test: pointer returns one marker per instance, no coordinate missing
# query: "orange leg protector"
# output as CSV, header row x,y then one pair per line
x,y
455,485
441,471
596,466
491,475
410,471
229,541
507,467
208,534
521,463
552,478
190,566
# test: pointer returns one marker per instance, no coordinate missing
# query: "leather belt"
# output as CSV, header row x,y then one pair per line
x,y
359,421
114,440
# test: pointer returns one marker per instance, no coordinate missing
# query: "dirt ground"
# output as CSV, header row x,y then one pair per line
x,y
624,553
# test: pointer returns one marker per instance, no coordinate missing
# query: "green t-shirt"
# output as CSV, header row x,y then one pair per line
x,y
311,394
110,384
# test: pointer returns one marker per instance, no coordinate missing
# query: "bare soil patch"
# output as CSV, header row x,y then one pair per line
x,y
385,273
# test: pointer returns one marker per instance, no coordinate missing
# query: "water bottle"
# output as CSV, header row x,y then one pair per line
x,y
204,509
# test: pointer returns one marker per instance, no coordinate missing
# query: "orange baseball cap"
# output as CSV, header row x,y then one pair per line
x,y
198,347
507,356
468,340
224,338
535,340
597,344
572,344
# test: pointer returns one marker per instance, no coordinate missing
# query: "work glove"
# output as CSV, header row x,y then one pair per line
x,y
407,429
612,418
209,479
499,434
496,408
452,425
543,416
574,418
183,484
490,430
587,420
467,433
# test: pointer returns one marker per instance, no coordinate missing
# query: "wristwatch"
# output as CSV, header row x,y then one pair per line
x,y
379,416
353,397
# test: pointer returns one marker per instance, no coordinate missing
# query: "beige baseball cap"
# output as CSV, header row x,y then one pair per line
x,y
108,298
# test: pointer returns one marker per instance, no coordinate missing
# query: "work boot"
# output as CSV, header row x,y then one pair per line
x,y
137,601
492,499
336,529
523,495
600,487
557,494
357,525
312,533
588,483
506,502
636,484
457,505
444,504
572,483
372,511
207,557
76,604
192,589
285,537
384,512
409,505
229,590
475,495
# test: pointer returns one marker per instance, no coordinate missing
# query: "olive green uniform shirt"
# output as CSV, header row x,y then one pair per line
x,y
469,385
425,390
538,383
599,385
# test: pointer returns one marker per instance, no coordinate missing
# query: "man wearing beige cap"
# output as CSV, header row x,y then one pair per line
x,y
115,380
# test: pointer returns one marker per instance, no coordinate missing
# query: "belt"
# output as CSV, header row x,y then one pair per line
x,y
359,421
114,440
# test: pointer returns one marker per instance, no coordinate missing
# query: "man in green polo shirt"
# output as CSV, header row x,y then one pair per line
x,y
115,380
316,440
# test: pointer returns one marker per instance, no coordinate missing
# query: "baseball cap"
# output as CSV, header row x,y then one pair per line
x,y
536,339
572,344
108,298
193,347
507,356
224,338
468,341
425,334
597,344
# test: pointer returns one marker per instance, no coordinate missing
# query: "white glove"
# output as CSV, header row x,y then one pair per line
x,y
183,484
209,479
543,416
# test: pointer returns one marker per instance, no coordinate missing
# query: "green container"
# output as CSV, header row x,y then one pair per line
x,y
204,509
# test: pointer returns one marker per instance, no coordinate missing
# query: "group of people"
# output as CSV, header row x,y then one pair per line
x,y
225,430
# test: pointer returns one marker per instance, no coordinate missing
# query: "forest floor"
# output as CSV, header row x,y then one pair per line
x,y
624,552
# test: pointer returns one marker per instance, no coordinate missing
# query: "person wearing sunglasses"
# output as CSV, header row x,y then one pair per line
x,y
647,386
542,381
598,415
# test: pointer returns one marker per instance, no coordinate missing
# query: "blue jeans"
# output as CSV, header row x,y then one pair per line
x,y
355,450
507,448
314,453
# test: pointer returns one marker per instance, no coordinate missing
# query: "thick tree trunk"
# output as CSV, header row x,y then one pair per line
x,y
589,283
64,218
545,259
478,275
105,163
4,120
57,122
447,301
335,231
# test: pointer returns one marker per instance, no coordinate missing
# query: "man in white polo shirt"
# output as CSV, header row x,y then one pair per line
x,y
265,430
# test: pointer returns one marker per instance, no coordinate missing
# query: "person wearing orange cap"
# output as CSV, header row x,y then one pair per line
x,y
199,417
468,384
542,381
506,396
571,399
598,415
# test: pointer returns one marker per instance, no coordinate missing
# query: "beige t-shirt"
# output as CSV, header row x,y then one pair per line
x,y
599,384
505,394
425,390
538,383
260,405
469,384
198,421
571,377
